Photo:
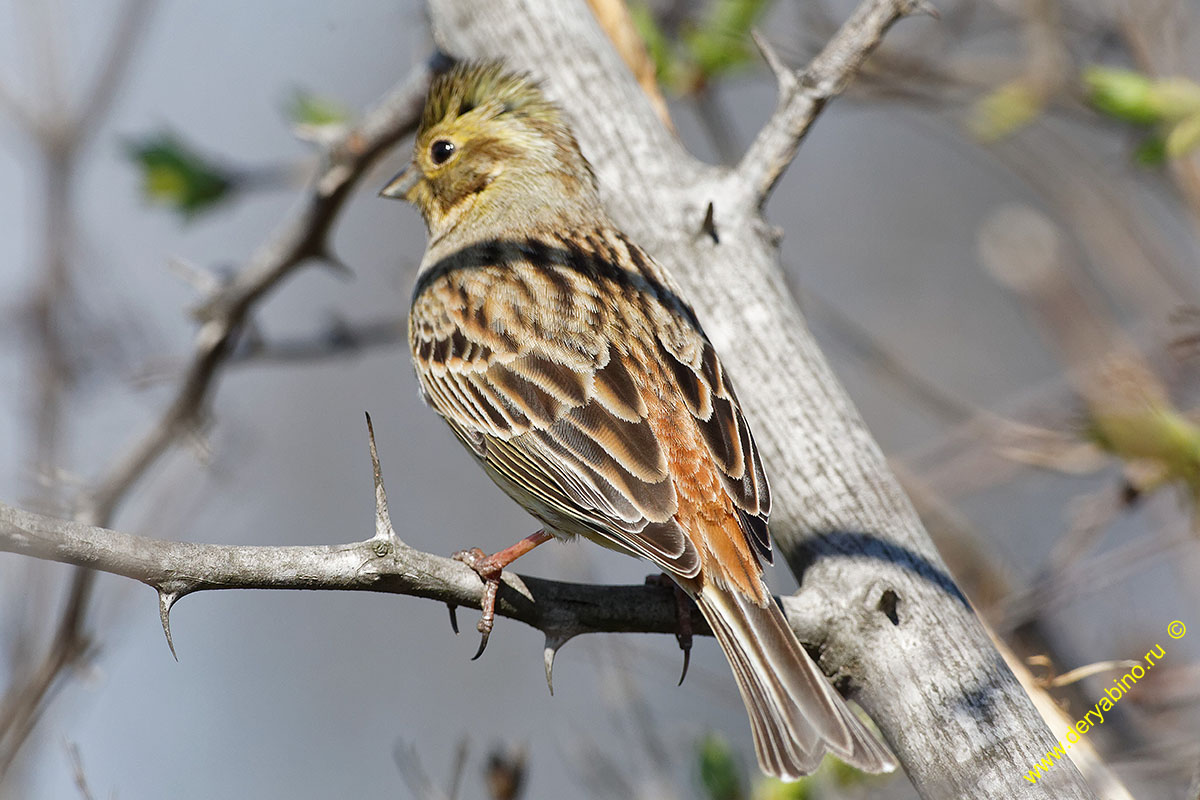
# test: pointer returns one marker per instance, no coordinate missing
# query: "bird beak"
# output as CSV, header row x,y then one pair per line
x,y
399,186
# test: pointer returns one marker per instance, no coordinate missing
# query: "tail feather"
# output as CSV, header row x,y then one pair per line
x,y
795,714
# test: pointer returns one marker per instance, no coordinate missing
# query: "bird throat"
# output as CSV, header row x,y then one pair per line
x,y
520,203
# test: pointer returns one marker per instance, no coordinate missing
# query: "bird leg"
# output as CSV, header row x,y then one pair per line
x,y
489,568
683,618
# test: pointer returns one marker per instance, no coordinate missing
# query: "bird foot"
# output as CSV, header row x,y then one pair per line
x,y
683,618
488,569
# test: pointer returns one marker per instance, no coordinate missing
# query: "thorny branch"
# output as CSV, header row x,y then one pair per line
x,y
383,563
802,95
338,339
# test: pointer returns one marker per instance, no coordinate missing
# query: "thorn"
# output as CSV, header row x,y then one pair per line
x,y
371,445
554,641
709,226
784,75
383,519
889,603
165,601
453,609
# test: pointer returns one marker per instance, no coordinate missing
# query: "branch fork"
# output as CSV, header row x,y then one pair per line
x,y
802,94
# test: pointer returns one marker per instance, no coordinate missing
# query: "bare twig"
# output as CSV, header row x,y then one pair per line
x,y
59,134
382,563
223,316
1092,575
408,761
23,701
302,238
77,771
338,339
131,21
457,768
803,95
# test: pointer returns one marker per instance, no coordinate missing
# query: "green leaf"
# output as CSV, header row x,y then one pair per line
x,y
1183,137
721,42
1133,97
775,789
720,775
1121,93
314,111
1175,98
1158,433
178,177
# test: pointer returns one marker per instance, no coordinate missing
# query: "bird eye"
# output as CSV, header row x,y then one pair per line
x,y
441,150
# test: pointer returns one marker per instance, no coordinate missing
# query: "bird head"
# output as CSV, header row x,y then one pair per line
x,y
491,148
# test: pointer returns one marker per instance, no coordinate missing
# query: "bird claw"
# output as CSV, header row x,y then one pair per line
x,y
683,619
489,613
453,609
489,572
687,658
489,569
483,640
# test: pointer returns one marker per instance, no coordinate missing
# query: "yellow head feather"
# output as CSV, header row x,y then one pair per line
x,y
489,145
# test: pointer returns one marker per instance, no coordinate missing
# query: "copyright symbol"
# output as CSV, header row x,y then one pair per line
x,y
1176,630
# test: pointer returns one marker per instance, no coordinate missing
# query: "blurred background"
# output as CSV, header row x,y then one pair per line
x,y
994,235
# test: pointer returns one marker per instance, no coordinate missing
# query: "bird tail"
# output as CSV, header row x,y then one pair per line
x,y
795,713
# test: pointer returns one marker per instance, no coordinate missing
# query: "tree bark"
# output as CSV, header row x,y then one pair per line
x,y
875,600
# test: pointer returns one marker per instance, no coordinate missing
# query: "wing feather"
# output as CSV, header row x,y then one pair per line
x,y
712,402
508,347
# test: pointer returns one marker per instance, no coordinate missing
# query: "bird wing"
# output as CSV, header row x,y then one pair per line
x,y
547,358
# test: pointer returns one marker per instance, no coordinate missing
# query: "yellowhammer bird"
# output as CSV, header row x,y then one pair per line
x,y
566,360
